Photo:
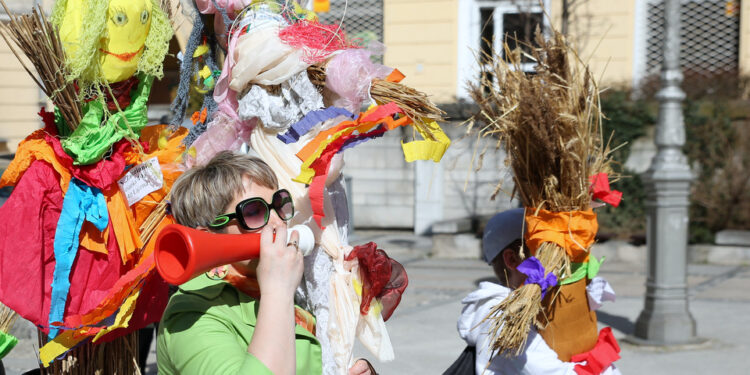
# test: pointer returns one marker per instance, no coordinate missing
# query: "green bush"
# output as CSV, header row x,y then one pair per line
x,y
625,121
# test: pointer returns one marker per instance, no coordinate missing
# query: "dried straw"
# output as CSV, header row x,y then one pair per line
x,y
35,36
549,123
7,318
415,104
118,357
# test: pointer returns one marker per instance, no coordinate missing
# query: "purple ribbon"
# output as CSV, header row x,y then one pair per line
x,y
311,119
533,269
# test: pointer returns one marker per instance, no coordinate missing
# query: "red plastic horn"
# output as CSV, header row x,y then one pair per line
x,y
182,253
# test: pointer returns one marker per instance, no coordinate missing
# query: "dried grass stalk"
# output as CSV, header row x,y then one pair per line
x,y
549,123
39,41
7,318
118,357
416,104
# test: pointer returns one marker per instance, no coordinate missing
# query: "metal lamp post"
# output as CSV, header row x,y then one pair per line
x,y
665,319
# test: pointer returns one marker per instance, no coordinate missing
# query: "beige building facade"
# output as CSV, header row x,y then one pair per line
x,y
435,42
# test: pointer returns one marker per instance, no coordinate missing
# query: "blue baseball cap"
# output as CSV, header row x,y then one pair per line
x,y
501,230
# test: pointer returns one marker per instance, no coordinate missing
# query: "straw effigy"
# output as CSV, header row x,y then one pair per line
x,y
415,104
549,123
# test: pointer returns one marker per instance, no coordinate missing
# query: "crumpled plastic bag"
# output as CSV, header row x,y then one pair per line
x,y
298,96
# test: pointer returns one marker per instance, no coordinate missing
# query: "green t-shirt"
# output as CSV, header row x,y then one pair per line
x,y
207,328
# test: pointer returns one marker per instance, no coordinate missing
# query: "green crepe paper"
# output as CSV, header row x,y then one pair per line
x,y
92,139
63,130
7,342
580,270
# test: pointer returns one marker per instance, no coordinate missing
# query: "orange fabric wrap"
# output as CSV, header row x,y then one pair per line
x,y
572,325
34,147
573,231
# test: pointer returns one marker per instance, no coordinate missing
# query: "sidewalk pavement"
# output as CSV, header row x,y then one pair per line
x,y
423,327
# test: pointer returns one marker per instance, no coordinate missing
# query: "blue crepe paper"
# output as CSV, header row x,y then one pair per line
x,y
81,202
311,119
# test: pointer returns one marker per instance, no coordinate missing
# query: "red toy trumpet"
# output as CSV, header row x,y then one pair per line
x,y
182,253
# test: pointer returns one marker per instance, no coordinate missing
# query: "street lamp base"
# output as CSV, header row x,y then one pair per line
x,y
665,328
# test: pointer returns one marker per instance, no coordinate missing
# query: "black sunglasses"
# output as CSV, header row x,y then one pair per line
x,y
253,213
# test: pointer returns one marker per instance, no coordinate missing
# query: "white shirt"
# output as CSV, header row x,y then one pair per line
x,y
537,358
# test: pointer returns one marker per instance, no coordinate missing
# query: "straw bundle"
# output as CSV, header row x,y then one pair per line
x,y
38,40
7,318
549,123
415,104
118,357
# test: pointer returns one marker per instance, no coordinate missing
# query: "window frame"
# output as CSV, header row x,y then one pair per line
x,y
469,34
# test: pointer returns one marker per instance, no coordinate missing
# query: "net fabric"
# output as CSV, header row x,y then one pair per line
x,y
316,40
349,74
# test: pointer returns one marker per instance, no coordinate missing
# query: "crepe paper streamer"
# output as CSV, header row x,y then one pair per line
x,y
312,118
427,149
123,315
123,223
92,239
573,231
395,76
588,269
605,352
59,346
599,291
321,167
122,288
535,274
321,6
7,343
31,149
312,147
92,138
600,190
81,203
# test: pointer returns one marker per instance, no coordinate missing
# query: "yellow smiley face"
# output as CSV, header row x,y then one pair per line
x,y
128,24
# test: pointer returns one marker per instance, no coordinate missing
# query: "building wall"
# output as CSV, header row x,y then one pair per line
x,y
383,183
745,38
20,97
421,40
603,31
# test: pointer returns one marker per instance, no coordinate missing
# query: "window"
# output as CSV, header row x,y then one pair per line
x,y
709,39
363,19
485,25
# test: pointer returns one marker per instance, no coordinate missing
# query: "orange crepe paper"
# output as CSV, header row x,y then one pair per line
x,y
572,325
34,147
573,231
395,76
123,223
92,239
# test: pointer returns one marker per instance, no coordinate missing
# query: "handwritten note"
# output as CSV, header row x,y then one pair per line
x,y
141,180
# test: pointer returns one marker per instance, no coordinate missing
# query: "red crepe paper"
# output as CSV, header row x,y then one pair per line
x,y
605,352
601,190
382,278
27,249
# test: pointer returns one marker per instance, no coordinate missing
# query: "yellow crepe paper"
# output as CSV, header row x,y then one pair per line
x,y
427,149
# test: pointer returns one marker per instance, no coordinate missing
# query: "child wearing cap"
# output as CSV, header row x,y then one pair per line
x,y
501,246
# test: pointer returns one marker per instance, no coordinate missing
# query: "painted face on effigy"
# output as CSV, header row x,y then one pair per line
x,y
128,24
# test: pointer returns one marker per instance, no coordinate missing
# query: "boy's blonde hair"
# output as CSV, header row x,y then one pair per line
x,y
204,192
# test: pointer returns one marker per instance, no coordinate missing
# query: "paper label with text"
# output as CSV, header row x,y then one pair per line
x,y
141,180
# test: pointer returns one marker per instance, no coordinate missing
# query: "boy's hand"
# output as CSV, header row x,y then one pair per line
x,y
362,367
281,265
